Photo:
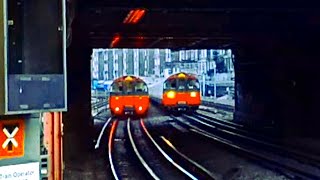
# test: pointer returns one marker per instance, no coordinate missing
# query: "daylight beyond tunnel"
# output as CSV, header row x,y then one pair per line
x,y
214,68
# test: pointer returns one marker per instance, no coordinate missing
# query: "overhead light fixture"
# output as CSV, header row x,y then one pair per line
x,y
134,16
140,37
115,40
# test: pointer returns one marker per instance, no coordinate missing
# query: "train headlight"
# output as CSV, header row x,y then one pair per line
x,y
193,94
171,94
140,108
117,97
117,109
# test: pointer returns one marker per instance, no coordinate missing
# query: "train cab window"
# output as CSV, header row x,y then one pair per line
x,y
129,87
116,87
193,84
173,85
170,84
141,87
181,87
181,84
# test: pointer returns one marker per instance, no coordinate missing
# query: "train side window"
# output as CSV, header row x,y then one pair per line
x,y
145,88
197,85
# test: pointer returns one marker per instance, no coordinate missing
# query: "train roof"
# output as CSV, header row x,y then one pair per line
x,y
183,75
128,78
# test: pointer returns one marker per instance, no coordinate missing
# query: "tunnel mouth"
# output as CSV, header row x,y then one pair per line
x,y
212,71
267,77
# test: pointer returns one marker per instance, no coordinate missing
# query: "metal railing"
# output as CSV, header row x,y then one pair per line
x,y
98,105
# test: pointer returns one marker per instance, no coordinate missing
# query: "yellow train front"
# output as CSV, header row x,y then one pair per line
x,y
179,92
128,96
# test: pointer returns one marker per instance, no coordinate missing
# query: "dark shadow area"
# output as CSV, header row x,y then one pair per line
x,y
276,67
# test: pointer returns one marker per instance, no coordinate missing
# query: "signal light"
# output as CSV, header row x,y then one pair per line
x,y
171,94
115,40
181,75
128,78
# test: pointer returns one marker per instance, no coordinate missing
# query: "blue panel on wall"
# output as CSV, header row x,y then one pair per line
x,y
36,92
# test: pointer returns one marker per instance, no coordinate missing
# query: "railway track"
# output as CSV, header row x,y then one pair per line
x,y
97,107
123,166
258,129
133,153
236,130
224,107
289,163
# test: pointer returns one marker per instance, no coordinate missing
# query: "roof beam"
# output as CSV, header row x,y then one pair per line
x,y
199,4
159,29
112,9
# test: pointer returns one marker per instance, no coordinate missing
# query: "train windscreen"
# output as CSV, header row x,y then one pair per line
x,y
141,87
193,85
131,87
181,84
169,84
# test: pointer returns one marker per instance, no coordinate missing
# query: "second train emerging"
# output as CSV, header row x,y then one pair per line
x,y
178,92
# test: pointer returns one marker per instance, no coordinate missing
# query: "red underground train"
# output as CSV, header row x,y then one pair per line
x,y
178,92
128,96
